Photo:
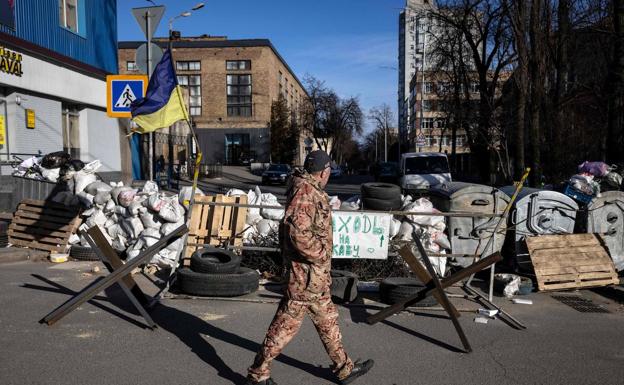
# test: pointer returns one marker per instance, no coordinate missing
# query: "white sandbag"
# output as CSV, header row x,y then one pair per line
x,y
406,231
119,243
176,246
132,226
154,202
50,174
150,221
135,207
352,203
150,236
115,231
109,207
334,202
253,219
149,188
273,214
82,180
266,227
423,205
185,195
102,198
116,191
168,228
126,197
83,242
121,211
164,259
111,220
85,199
253,198
132,254
92,167
234,192
395,226
441,240
248,235
89,212
405,201
98,218
171,211
97,186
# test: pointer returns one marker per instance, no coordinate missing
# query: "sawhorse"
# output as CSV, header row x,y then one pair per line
x,y
119,273
434,287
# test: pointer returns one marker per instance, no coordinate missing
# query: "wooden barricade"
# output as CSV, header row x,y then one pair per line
x,y
214,224
43,225
571,261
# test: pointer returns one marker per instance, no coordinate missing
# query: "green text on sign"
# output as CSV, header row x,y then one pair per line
x,y
360,235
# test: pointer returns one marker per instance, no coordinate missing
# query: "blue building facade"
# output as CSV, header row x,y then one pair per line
x,y
54,59
41,22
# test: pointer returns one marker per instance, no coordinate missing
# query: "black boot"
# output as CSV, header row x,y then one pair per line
x,y
268,381
359,369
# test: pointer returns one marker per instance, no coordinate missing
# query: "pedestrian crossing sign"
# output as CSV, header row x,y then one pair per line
x,y
121,91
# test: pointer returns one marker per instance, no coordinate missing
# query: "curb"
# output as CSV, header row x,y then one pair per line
x,y
15,254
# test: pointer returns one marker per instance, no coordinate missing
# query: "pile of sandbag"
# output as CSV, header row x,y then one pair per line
x,y
53,167
262,224
131,219
594,177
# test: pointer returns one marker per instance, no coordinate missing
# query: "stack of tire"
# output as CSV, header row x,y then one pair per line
x,y
217,273
4,237
396,289
344,286
381,196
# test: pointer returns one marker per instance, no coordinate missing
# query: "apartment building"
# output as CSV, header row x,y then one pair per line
x,y
231,86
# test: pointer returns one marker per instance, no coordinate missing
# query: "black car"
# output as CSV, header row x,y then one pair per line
x,y
276,173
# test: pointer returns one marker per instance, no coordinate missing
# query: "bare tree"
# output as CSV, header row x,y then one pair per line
x,y
383,119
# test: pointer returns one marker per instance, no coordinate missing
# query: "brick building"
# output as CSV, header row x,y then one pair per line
x,y
231,85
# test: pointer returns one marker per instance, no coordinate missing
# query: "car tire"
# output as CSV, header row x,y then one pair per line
x,y
241,282
344,286
211,260
83,253
396,289
382,204
380,191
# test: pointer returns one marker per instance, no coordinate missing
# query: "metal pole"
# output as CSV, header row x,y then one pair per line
x,y
386,143
151,143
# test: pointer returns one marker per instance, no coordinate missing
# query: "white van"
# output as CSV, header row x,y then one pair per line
x,y
420,171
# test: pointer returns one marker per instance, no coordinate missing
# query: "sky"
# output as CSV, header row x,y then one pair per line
x,y
351,45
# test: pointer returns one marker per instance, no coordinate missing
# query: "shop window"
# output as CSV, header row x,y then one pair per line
x,y
71,131
238,95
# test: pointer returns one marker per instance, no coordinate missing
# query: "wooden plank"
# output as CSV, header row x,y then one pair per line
x,y
38,230
576,269
44,224
579,276
571,260
37,245
50,239
534,243
50,204
240,223
576,284
46,211
44,218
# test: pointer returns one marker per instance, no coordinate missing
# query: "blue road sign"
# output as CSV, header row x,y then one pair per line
x,y
121,91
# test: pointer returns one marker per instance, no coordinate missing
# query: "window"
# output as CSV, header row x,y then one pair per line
x,y
238,95
188,65
68,14
71,132
193,84
428,87
238,64
427,123
474,87
131,66
427,105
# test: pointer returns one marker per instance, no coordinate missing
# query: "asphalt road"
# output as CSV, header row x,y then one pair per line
x,y
209,341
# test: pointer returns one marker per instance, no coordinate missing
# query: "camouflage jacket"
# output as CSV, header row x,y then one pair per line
x,y
306,238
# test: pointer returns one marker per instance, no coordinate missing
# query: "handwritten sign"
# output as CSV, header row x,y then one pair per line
x,y
360,235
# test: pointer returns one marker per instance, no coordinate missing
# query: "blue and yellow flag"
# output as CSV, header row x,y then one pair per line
x,y
163,104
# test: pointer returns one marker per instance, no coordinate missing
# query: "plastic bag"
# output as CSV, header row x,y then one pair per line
x,y
595,168
234,192
50,174
254,197
406,231
423,205
116,191
352,203
150,221
97,186
395,226
92,167
510,282
613,179
110,206
267,227
126,197
334,202
584,184
149,188
55,159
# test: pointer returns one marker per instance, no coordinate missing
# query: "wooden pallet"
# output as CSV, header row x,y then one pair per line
x,y
216,225
571,261
43,225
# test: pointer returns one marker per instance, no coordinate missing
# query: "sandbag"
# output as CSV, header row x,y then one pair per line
x,y
120,210
273,214
111,220
171,211
126,197
423,205
102,198
155,202
85,199
234,192
97,186
185,195
135,208
132,226
82,180
168,228
116,191
110,206
150,236
406,231
254,197
98,218
395,226
115,231
50,174
150,221
266,227
149,188
92,167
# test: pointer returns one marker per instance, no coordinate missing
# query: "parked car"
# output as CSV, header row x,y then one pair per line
x,y
276,173
386,172
420,171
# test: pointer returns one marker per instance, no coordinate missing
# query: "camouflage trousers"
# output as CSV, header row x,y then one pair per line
x,y
286,324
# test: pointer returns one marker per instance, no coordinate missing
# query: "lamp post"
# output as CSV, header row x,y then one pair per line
x,y
169,137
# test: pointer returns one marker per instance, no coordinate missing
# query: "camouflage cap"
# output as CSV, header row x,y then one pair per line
x,y
317,161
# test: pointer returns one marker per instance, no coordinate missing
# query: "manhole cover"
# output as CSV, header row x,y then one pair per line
x,y
581,304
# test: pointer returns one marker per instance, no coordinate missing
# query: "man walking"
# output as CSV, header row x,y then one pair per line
x,y
306,241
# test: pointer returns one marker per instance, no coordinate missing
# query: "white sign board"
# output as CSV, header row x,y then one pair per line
x,y
360,235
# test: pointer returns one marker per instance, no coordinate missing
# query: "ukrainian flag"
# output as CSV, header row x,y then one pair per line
x,y
162,105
